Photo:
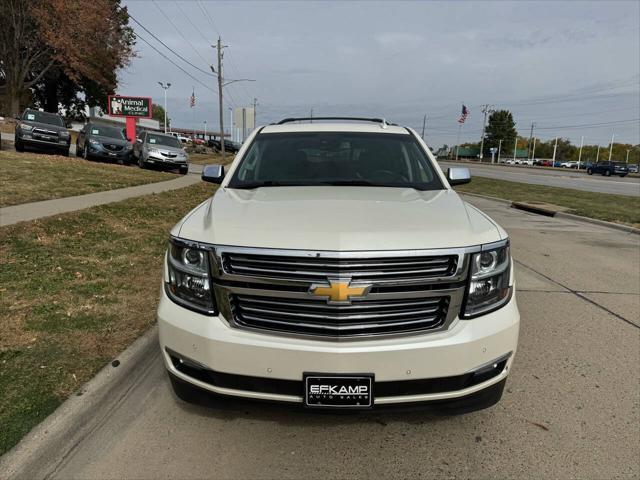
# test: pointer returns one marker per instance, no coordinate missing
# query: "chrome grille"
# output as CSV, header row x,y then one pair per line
x,y
112,147
318,269
363,317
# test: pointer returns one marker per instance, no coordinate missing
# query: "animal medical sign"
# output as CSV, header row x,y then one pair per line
x,y
121,106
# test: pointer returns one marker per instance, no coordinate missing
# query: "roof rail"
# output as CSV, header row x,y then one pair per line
x,y
381,121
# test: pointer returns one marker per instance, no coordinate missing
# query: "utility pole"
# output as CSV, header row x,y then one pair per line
x,y
219,48
311,115
628,150
255,105
165,88
598,154
555,147
485,109
205,130
515,149
533,152
424,124
530,139
580,152
499,150
613,135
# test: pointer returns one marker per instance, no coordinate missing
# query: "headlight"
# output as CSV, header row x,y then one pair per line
x,y
94,142
24,126
189,282
489,283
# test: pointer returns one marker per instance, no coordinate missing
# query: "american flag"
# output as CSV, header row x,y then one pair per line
x,y
464,114
192,99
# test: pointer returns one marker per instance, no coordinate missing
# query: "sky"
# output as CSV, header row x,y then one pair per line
x,y
572,68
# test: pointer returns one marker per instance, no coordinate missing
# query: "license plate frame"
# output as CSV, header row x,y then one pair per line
x,y
336,398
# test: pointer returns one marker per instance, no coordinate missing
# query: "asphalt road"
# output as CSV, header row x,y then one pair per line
x,y
571,408
559,177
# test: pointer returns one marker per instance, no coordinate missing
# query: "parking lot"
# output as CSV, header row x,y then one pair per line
x,y
571,407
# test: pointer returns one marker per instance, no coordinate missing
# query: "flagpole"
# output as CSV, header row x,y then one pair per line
x,y
458,141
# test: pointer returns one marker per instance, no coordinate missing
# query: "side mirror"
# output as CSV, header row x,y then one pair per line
x,y
458,176
213,173
138,140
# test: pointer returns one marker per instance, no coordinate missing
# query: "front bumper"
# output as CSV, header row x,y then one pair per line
x,y
406,368
97,151
27,138
161,161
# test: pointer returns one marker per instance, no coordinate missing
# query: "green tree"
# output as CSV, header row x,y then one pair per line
x,y
157,113
500,127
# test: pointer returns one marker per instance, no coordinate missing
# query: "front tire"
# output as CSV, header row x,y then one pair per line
x,y
589,171
184,171
607,173
141,162
19,146
85,153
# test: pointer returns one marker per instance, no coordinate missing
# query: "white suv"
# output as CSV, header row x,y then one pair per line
x,y
336,268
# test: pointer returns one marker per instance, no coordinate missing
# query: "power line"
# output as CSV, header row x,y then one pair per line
x,y
192,24
174,63
169,48
179,31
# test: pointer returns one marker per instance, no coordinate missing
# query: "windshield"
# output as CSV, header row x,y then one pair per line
x,y
43,117
335,158
164,140
106,131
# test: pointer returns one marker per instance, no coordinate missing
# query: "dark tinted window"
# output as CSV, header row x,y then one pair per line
x,y
163,140
336,158
43,117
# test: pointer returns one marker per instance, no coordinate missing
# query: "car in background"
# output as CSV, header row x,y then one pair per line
x,y
198,141
160,150
633,168
571,164
101,141
608,168
42,130
182,138
229,146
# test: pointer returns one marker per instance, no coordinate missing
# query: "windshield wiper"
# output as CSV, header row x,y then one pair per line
x,y
267,183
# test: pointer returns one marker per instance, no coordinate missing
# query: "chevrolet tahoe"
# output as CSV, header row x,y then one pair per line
x,y
335,267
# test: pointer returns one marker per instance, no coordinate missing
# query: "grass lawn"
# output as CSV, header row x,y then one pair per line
x,y
31,177
603,206
209,158
76,290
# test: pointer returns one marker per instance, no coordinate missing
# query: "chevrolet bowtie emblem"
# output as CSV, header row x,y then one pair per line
x,y
339,291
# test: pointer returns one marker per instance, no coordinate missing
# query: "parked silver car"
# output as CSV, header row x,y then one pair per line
x,y
162,151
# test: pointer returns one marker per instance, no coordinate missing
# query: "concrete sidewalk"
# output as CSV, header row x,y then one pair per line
x,y
32,211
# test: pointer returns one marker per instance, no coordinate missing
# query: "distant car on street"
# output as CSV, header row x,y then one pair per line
x,y
633,168
42,130
100,141
180,137
160,150
198,141
569,164
608,168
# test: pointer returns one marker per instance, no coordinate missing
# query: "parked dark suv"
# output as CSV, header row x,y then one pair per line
x,y
103,141
608,168
42,130
229,146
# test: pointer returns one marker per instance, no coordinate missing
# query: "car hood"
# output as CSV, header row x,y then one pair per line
x,y
164,148
45,126
110,140
338,218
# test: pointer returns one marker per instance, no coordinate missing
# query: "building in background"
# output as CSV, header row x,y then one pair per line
x,y
243,123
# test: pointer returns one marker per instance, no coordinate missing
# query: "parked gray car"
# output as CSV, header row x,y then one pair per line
x,y
161,151
100,141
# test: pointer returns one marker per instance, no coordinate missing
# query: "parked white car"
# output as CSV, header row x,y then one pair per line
x,y
335,267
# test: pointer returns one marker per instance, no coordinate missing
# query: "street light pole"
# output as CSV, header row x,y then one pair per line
x,y
580,152
165,88
628,150
205,130
499,150
613,135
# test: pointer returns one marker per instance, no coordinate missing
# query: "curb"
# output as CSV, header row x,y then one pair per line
x,y
567,216
40,453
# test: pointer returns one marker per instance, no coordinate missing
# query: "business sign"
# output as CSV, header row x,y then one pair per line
x,y
122,106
